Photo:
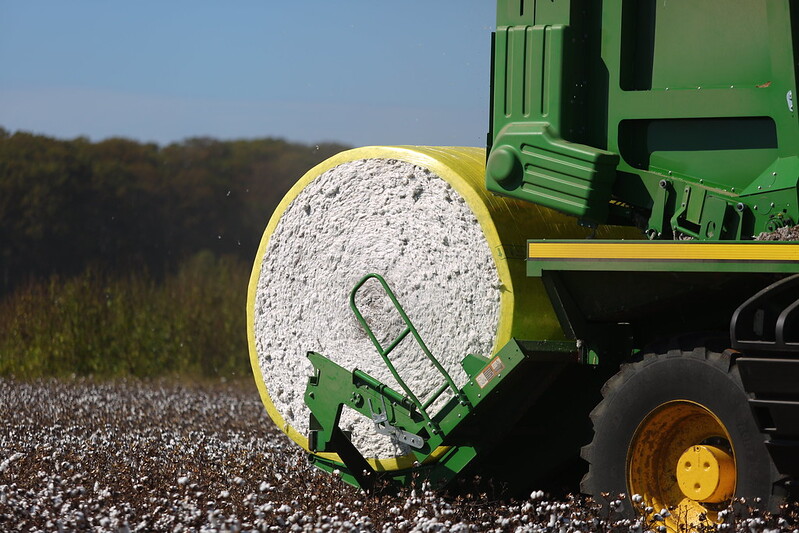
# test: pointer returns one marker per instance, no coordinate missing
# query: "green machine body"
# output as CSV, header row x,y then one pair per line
x,y
677,117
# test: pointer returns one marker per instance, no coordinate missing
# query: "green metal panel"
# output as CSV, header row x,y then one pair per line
x,y
533,88
731,36
715,115
529,12
694,96
572,178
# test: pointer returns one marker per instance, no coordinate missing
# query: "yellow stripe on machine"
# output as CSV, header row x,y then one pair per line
x,y
770,256
754,251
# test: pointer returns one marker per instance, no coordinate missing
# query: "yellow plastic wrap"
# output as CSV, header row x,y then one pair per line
x,y
524,309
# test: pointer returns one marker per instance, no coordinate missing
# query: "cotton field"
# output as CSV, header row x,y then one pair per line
x,y
129,456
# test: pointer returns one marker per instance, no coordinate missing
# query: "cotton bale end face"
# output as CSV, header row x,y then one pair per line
x,y
453,253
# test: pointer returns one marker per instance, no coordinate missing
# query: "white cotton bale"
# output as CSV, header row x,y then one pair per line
x,y
420,217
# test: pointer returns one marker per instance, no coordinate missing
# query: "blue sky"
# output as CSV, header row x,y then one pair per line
x,y
355,71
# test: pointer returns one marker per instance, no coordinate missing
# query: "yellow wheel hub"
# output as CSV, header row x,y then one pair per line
x,y
706,474
681,459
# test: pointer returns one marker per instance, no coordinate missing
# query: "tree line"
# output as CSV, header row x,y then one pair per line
x,y
122,258
120,205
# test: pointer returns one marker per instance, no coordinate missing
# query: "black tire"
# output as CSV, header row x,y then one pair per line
x,y
697,376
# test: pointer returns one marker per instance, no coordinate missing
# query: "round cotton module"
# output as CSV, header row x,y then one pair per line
x,y
454,256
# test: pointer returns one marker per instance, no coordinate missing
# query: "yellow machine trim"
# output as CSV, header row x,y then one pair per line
x,y
662,250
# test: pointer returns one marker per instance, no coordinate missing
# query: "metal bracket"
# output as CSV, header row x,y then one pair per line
x,y
384,427
658,219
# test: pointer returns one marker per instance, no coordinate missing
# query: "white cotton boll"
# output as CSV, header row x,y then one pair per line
x,y
6,463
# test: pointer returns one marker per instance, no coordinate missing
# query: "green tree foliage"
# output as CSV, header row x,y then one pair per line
x,y
41,182
120,258
123,205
